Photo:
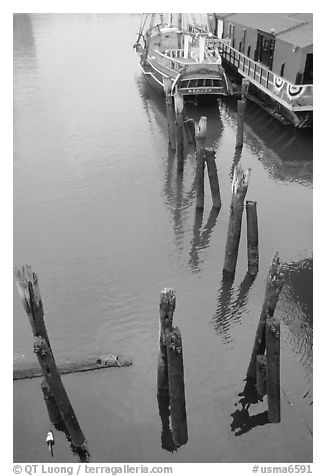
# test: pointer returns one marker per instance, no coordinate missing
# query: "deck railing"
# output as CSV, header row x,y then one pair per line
x,y
295,97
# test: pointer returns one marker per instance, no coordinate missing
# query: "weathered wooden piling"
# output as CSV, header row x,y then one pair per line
x,y
29,291
261,375
27,284
189,125
176,386
239,190
200,130
167,307
178,106
273,368
241,112
252,237
167,85
274,284
52,407
53,379
213,177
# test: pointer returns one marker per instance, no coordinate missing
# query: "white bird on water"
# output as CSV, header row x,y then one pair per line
x,y
50,441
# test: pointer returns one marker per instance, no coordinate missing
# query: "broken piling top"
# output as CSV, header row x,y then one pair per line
x,y
28,287
167,307
244,87
201,128
240,181
178,102
275,276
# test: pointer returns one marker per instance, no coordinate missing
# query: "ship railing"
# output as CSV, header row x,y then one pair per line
x,y
169,62
295,97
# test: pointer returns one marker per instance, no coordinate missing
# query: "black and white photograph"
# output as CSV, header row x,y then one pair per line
x,y
162,296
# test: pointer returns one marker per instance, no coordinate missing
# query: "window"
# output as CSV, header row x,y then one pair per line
x,y
282,69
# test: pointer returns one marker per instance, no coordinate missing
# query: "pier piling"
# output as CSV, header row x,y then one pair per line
x,y
176,386
167,307
261,375
252,237
242,103
51,405
28,288
200,130
213,177
273,368
239,189
178,106
274,284
167,85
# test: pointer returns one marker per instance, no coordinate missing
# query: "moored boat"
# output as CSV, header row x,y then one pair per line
x,y
187,55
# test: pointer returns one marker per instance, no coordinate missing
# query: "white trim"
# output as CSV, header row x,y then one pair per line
x,y
151,74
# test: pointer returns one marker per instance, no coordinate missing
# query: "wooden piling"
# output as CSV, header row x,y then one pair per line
x,y
245,83
176,386
178,106
241,112
239,190
29,291
213,177
200,131
167,85
252,237
167,307
261,375
274,284
273,368
53,379
52,407
189,125
28,288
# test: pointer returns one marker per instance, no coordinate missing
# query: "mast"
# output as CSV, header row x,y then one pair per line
x,y
179,31
149,34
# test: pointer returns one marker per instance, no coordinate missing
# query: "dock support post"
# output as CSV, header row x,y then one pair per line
x,y
167,85
274,284
51,405
213,177
176,386
167,307
239,189
252,237
189,125
241,111
261,375
273,368
200,130
53,379
178,106
28,288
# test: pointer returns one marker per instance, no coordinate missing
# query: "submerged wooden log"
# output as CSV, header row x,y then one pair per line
x,y
273,368
239,190
261,375
213,177
274,284
53,379
24,370
167,307
252,237
178,106
176,386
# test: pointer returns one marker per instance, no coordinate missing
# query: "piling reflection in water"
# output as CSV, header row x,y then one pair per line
x,y
228,312
201,238
166,435
284,151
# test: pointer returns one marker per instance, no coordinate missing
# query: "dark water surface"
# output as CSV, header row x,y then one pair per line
x,y
103,220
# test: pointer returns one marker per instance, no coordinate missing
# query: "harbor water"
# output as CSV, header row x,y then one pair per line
x,y
102,217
